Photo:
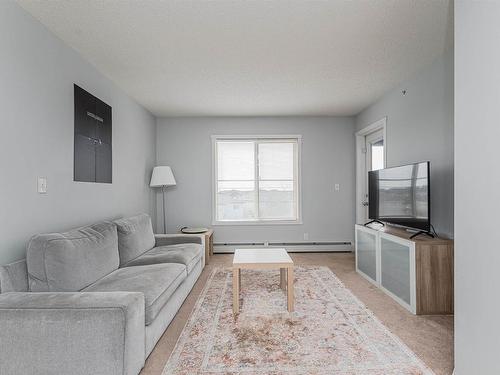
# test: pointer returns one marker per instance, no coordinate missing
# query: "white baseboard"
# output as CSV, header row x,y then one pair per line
x,y
311,247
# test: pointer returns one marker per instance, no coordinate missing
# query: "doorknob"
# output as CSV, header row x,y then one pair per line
x,y
365,203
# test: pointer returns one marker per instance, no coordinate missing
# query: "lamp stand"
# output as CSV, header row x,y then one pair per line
x,y
164,211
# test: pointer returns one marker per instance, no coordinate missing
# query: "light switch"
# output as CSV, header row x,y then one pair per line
x,y
337,187
42,185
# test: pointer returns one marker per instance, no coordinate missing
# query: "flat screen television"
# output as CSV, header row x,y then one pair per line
x,y
401,196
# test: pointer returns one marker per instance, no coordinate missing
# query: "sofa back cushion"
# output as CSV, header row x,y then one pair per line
x,y
135,237
14,277
71,261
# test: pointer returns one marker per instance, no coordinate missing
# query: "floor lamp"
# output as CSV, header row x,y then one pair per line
x,y
163,177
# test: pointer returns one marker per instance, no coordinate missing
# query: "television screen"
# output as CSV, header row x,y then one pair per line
x,y
401,195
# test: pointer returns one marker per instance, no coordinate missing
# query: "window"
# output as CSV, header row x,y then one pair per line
x,y
377,155
256,179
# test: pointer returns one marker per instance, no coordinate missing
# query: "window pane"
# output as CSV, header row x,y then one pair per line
x,y
276,161
378,155
236,200
235,160
277,200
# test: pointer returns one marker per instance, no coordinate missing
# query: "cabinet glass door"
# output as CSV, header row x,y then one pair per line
x,y
395,268
366,254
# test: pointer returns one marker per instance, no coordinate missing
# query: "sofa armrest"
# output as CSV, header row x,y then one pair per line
x,y
72,333
174,239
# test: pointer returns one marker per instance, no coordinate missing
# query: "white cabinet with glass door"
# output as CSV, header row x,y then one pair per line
x,y
387,261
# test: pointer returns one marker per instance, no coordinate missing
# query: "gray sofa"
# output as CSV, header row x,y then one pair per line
x,y
94,300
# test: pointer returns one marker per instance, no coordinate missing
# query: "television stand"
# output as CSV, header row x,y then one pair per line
x,y
421,232
374,221
417,272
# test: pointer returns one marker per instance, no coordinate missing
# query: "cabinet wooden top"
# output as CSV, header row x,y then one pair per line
x,y
402,233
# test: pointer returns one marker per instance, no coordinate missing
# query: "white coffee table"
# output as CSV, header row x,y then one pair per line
x,y
263,259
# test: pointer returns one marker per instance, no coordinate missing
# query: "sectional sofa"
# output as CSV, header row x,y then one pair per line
x,y
94,300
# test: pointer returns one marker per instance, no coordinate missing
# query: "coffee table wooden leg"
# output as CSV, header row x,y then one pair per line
x,y
236,290
290,296
283,278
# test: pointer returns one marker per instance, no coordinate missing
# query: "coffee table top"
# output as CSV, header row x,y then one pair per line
x,y
261,256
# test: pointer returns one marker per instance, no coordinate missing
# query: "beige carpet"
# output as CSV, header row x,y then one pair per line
x,y
430,337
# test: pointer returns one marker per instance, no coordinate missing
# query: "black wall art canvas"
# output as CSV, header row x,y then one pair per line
x,y
93,138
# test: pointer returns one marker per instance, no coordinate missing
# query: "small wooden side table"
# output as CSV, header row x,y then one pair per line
x,y
209,243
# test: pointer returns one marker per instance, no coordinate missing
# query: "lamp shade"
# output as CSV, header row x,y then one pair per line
x,y
162,176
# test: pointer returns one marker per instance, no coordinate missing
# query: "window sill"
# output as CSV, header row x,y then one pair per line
x,y
257,222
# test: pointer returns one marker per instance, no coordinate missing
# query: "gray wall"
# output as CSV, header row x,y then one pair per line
x,y
477,182
419,128
37,72
327,158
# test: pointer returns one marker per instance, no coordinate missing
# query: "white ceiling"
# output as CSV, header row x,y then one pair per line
x,y
252,58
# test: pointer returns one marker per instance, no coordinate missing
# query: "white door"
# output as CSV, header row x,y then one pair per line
x,y
374,144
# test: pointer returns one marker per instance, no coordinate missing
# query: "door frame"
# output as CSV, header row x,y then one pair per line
x,y
361,161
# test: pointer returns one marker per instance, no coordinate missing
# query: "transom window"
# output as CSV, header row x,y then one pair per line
x,y
256,179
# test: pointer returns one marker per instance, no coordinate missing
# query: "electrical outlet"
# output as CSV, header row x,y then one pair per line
x,y
306,236
337,187
42,185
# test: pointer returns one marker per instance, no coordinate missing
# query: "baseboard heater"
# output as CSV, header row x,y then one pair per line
x,y
293,247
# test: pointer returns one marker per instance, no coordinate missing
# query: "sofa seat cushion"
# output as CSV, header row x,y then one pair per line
x,y
157,282
187,253
71,261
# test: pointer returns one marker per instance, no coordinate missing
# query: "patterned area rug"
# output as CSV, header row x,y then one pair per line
x,y
330,331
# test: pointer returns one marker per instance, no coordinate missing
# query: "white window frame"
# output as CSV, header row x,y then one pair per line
x,y
298,193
